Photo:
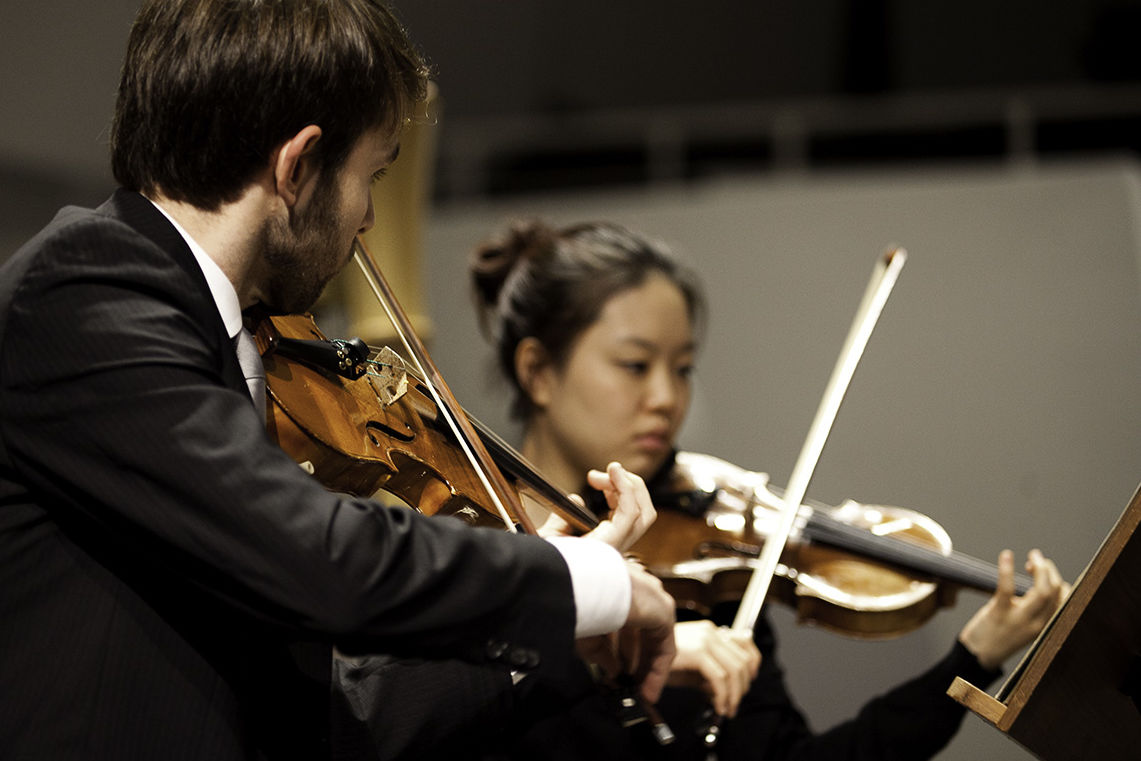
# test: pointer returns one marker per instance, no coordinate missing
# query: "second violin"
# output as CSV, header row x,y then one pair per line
x,y
868,571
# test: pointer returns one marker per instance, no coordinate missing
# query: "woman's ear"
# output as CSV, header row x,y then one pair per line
x,y
295,166
535,371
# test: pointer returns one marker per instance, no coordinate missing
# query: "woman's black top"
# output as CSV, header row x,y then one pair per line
x,y
915,720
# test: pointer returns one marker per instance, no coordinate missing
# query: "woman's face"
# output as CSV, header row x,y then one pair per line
x,y
624,390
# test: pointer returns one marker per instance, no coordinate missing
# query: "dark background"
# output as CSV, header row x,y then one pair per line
x,y
543,94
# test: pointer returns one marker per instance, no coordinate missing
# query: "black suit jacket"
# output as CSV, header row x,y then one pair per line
x,y
170,581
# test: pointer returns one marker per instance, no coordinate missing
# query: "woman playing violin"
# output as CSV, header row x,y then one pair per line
x,y
597,329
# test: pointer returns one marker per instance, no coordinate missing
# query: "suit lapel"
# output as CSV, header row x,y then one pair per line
x,y
135,210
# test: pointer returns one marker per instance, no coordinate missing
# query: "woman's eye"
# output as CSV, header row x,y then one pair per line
x,y
635,368
378,174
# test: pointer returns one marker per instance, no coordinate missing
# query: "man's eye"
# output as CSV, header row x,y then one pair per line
x,y
637,368
378,174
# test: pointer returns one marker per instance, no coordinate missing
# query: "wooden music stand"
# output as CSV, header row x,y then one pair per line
x,y
1077,693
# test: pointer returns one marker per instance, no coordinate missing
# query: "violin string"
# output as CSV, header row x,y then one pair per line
x,y
901,547
980,570
976,569
975,572
827,529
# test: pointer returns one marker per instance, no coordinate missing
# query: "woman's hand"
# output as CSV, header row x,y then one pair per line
x,y
719,660
1005,624
631,511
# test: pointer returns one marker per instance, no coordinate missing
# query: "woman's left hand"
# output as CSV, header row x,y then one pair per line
x,y
631,511
1005,624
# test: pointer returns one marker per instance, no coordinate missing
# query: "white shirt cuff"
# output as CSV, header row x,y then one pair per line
x,y
601,584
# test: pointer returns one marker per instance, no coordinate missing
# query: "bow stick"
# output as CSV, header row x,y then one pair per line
x,y
501,494
883,278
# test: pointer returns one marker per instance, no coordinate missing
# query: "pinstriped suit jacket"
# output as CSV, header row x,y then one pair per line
x,y
170,581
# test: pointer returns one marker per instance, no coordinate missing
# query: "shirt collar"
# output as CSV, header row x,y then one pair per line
x,y
225,297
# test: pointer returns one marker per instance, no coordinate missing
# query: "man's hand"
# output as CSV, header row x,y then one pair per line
x,y
1005,624
644,648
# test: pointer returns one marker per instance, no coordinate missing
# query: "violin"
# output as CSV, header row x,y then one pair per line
x,y
360,425
867,571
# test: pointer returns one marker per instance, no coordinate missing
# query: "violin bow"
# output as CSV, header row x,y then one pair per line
x,y
883,278
501,494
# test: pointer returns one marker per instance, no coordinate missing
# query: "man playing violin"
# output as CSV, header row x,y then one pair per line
x,y
172,583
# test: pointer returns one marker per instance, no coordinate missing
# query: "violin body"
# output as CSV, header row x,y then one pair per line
x,y
373,430
705,553
355,438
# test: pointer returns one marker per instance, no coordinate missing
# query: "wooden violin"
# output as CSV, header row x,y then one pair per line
x,y
361,424
868,571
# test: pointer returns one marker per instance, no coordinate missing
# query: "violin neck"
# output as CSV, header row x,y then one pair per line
x,y
957,568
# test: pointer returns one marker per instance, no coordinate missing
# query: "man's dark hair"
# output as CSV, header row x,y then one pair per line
x,y
210,87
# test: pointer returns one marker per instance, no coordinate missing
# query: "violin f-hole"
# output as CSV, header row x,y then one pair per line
x,y
378,432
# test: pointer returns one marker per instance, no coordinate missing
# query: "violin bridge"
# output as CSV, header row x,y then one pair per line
x,y
390,380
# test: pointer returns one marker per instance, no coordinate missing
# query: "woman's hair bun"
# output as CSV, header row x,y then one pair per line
x,y
494,261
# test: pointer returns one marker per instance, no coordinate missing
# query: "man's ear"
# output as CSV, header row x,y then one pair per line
x,y
294,165
535,371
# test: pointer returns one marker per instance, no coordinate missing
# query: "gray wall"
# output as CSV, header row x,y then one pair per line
x,y
59,69
998,393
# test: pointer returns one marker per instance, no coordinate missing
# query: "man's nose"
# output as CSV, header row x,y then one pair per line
x,y
369,217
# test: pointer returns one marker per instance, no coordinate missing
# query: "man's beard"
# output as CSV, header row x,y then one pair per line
x,y
300,255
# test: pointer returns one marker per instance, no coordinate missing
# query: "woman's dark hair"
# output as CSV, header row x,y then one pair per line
x,y
210,87
551,284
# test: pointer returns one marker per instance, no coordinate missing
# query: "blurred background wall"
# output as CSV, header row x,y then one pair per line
x,y
779,147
